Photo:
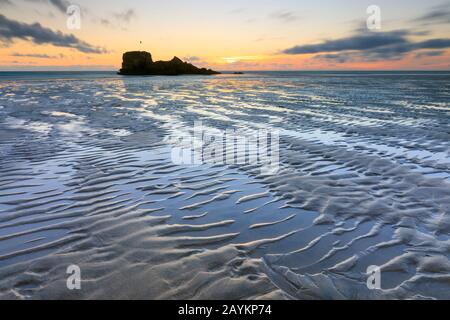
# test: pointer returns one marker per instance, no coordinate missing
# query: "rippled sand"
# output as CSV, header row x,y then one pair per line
x,y
86,178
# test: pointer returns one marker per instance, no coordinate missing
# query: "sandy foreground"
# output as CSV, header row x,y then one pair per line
x,y
87,178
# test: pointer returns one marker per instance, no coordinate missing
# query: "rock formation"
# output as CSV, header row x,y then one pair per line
x,y
141,63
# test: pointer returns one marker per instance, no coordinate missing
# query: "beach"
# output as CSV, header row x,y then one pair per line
x,y
87,178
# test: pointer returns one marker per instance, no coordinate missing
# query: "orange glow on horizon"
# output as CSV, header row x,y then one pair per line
x,y
216,35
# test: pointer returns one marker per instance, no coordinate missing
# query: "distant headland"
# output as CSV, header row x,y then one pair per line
x,y
141,63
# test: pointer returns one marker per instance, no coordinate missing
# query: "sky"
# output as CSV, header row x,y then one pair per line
x,y
227,35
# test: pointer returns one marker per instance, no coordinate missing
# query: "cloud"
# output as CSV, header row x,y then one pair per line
x,y
338,58
21,66
117,19
237,10
60,5
437,15
369,46
125,16
364,41
5,2
36,55
105,22
285,16
11,30
192,58
435,53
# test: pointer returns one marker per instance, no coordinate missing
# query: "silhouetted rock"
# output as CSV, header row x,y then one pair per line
x,y
141,63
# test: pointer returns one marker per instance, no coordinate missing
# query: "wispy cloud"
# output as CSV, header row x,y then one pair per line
x,y
118,19
237,10
284,16
5,2
437,15
435,53
28,66
192,58
335,57
36,55
125,16
11,30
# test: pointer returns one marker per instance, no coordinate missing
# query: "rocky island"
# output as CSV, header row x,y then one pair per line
x,y
141,63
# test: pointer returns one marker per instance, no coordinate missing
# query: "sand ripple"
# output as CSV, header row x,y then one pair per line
x,y
87,179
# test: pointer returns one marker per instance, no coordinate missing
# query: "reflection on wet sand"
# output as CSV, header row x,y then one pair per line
x,y
86,178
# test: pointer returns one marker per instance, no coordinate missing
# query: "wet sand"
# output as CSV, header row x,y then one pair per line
x,y
86,178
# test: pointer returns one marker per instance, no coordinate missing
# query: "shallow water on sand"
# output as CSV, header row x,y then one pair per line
x,y
87,178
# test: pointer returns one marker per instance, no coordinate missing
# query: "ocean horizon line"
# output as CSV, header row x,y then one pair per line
x,y
232,71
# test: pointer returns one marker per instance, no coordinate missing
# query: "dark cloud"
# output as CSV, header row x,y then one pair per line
x,y
36,55
60,5
363,41
435,53
398,51
437,15
369,46
338,58
354,56
11,30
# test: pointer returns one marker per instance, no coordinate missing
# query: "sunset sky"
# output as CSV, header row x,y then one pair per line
x,y
227,35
